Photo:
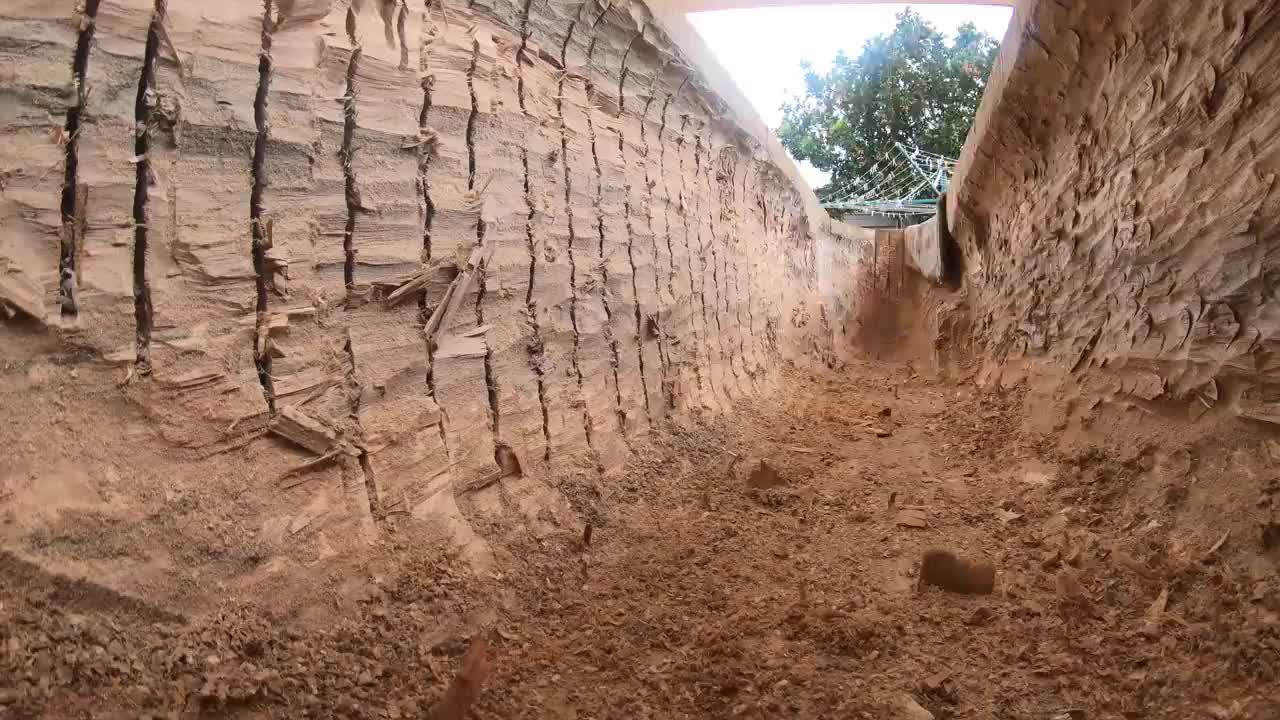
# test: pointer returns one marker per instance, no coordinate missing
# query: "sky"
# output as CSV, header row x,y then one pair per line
x,y
762,48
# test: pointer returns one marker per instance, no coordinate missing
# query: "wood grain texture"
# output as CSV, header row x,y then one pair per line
x,y
1117,201
605,244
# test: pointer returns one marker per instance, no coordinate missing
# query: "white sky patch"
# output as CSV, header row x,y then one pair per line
x,y
762,48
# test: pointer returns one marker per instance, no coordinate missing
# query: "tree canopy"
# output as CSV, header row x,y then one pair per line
x,y
910,86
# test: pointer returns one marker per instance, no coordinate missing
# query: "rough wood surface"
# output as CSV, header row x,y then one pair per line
x,y
297,427
1117,203
526,225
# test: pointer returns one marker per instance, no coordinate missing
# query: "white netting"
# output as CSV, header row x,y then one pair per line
x,y
905,181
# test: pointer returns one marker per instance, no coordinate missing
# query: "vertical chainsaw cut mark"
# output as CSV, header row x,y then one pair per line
x,y
348,157
664,353
784,235
568,206
475,195
536,350
70,238
257,224
521,54
780,225
426,136
719,263
726,254
482,269
490,378
666,214
703,171
702,256
743,329
143,108
631,234
353,404
688,250
371,486
443,425
622,73
614,361
662,171
470,137
751,309
684,202
427,151
739,204
402,18
471,125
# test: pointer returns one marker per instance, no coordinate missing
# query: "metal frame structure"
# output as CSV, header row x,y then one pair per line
x,y
897,184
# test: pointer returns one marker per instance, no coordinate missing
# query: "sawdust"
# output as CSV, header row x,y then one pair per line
x,y
701,596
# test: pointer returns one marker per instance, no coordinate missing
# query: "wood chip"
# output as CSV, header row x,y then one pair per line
x,y
1270,534
507,459
123,356
1213,551
508,465
421,282
1007,516
1072,556
454,296
937,680
22,293
276,324
912,710
457,346
466,685
296,426
1155,613
304,381
1218,712
765,476
304,519
912,517
295,476
192,379
944,569
1051,559
481,483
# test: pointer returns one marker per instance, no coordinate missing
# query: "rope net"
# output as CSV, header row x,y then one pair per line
x,y
904,181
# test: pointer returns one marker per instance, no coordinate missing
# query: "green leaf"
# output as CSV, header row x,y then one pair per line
x,y
911,85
